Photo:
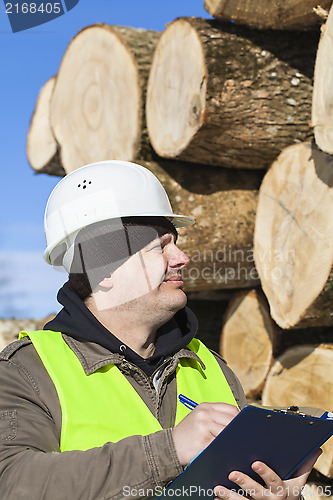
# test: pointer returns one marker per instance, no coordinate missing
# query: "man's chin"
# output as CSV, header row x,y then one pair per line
x,y
179,300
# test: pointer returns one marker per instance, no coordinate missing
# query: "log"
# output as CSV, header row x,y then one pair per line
x,y
303,376
96,108
293,240
226,95
268,14
224,206
248,340
322,101
42,148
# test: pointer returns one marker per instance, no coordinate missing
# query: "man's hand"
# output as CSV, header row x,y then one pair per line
x,y
196,431
275,489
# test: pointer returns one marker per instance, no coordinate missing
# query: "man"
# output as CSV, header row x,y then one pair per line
x,y
89,406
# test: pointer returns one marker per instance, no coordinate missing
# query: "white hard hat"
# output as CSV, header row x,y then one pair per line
x,y
97,192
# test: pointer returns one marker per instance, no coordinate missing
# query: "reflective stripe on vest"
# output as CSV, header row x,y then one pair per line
x,y
103,406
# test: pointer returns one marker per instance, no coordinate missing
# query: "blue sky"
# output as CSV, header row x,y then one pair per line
x,y
29,58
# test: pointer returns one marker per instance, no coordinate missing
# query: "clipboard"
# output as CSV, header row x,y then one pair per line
x,y
281,438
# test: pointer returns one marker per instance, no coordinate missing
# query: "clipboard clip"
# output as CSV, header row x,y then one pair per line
x,y
292,410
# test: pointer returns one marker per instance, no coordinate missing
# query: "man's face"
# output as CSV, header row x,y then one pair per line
x,y
152,276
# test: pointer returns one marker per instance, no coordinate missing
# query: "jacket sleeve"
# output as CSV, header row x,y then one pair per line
x,y
31,465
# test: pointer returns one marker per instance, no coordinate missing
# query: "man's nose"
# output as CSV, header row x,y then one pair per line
x,y
178,259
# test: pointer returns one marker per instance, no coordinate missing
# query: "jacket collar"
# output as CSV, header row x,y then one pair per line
x,y
93,356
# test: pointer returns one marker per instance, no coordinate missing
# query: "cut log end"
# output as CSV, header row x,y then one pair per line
x,y
42,148
248,339
322,101
176,89
324,136
293,241
95,110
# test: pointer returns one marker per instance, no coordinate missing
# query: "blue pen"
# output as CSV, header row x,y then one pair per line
x,y
187,402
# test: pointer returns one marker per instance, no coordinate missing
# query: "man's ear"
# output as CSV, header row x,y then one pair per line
x,y
106,282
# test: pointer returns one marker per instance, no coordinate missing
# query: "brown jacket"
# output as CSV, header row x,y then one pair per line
x,y
31,465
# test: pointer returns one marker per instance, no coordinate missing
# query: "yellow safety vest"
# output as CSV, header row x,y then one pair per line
x,y
103,406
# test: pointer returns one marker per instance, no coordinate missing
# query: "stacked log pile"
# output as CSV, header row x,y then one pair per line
x,y
227,117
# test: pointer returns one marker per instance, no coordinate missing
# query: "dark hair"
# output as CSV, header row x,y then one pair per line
x,y
80,284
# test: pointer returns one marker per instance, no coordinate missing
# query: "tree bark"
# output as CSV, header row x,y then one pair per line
x,y
248,340
42,148
302,376
293,242
322,102
268,14
224,206
96,109
226,95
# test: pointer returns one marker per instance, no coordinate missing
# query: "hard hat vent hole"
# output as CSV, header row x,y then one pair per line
x,y
84,184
